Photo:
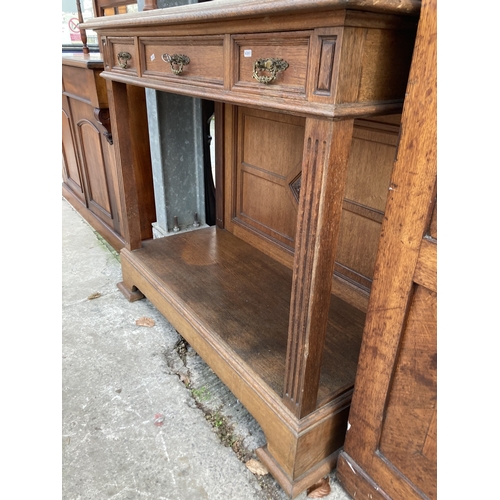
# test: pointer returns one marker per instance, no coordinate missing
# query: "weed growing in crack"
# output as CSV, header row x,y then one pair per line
x,y
201,394
225,432
222,426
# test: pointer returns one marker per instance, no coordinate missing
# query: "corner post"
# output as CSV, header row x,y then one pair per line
x,y
326,153
129,204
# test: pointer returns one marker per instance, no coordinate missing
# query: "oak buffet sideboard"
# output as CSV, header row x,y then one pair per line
x,y
90,180
308,97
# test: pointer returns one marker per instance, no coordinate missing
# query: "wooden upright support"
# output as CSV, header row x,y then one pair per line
x,y
324,168
120,123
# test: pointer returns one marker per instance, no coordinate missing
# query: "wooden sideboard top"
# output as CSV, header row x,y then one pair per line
x,y
86,61
241,9
223,40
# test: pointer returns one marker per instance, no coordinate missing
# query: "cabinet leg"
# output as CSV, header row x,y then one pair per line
x,y
324,172
295,487
131,293
127,287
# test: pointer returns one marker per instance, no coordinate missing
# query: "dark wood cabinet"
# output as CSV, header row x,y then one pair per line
x,y
276,296
90,181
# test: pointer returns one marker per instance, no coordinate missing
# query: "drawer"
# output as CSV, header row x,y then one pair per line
x,y
267,56
203,61
121,55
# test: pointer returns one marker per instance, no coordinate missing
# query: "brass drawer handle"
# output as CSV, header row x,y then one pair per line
x,y
272,65
176,61
123,58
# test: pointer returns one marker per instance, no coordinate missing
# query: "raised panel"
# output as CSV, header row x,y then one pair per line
x,y
271,141
371,160
277,216
268,160
324,69
370,165
357,250
408,438
95,170
71,174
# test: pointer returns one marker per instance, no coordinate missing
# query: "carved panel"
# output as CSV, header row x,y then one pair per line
x,y
295,186
93,164
71,173
325,71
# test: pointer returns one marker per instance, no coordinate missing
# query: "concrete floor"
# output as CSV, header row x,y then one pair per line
x,y
143,417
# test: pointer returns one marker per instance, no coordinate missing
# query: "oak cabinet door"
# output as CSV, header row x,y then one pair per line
x,y
96,158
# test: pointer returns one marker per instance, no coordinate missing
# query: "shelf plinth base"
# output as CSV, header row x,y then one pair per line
x,y
295,487
130,294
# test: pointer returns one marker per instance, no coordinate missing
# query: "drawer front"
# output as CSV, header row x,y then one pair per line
x,y
203,59
254,54
79,82
122,57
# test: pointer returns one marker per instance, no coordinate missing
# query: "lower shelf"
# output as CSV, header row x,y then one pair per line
x,y
231,303
243,297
